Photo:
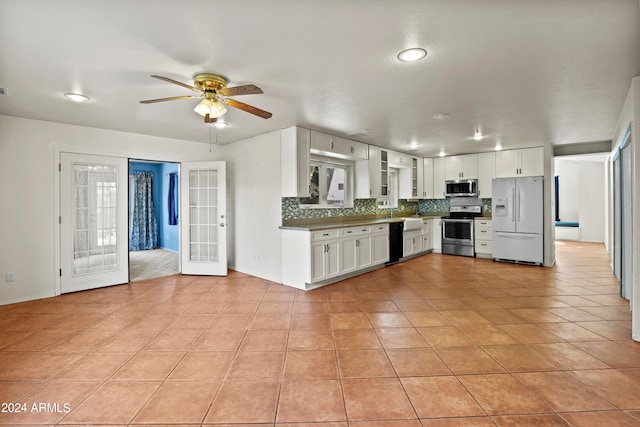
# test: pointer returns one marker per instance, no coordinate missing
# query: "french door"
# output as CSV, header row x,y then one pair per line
x,y
203,238
93,221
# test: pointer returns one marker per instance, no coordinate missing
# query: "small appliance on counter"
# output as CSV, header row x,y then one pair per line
x,y
458,227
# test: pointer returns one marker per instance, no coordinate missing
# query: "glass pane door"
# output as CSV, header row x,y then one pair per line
x,y
93,206
204,232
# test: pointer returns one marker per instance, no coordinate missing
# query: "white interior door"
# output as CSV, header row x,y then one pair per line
x,y
204,218
93,226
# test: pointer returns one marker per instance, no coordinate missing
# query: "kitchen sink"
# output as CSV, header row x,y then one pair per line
x,y
412,224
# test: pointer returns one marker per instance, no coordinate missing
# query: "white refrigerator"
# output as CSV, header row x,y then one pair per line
x,y
517,212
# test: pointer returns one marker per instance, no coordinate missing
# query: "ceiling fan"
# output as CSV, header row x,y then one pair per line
x,y
213,88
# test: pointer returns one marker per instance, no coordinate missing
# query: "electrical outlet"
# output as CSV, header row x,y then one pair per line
x,y
10,276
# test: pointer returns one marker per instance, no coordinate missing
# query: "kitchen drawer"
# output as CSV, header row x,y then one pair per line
x,y
324,235
355,231
483,247
380,228
483,223
483,233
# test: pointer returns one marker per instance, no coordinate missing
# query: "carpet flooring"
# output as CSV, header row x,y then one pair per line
x,y
153,263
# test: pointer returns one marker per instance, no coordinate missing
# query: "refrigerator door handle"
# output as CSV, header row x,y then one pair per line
x,y
513,204
518,206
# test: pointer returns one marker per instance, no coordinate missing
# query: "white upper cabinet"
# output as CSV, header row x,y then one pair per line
x,y
486,173
524,162
461,167
532,162
330,145
295,157
427,178
372,180
351,148
321,141
417,176
438,178
399,160
410,179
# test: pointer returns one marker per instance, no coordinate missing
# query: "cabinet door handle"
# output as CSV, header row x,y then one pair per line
x,y
325,234
332,145
352,150
357,243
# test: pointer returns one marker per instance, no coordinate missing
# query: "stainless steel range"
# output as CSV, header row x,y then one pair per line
x,y
457,228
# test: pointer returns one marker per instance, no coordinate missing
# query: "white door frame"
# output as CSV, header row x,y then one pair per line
x,y
57,150
118,267
218,264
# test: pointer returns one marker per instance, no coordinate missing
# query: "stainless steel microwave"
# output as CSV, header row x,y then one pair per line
x,y
461,188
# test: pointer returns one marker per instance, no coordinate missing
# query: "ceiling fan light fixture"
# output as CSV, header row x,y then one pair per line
x,y
76,97
220,125
212,107
411,55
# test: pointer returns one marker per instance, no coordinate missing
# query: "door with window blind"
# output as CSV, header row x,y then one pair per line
x,y
93,222
203,212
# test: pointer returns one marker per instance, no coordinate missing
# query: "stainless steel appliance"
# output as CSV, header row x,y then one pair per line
x,y
461,188
517,213
457,228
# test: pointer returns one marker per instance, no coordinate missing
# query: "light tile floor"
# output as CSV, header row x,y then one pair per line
x,y
435,341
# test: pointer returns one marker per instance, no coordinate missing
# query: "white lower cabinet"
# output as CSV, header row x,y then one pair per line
x,y
355,249
427,230
315,258
325,254
436,235
380,244
412,242
483,238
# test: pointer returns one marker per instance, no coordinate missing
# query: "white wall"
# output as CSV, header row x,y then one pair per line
x,y
568,172
28,192
592,202
582,196
630,116
254,206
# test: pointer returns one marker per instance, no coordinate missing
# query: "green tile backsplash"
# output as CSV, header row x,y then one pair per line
x,y
291,209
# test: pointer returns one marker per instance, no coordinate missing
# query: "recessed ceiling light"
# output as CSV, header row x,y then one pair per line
x,y
498,147
441,116
411,55
220,125
77,97
442,153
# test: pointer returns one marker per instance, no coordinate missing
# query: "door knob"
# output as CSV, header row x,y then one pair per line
x,y
221,224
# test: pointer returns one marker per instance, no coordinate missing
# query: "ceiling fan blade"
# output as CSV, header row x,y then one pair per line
x,y
248,108
173,98
241,90
175,82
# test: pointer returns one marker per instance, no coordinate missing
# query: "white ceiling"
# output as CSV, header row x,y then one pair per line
x,y
524,72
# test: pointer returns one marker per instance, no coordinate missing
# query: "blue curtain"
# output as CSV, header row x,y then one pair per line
x,y
144,227
172,202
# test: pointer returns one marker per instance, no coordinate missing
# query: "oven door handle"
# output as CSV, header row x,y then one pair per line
x,y
470,221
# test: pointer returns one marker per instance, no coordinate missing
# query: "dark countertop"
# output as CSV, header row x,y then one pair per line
x,y
309,225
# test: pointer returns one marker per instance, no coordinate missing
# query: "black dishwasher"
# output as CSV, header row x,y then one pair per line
x,y
395,241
